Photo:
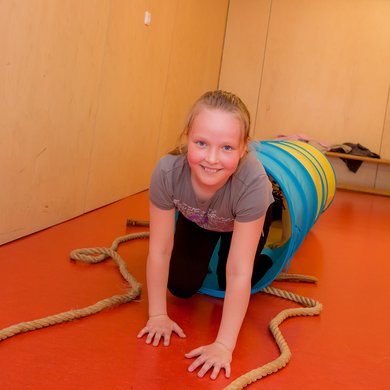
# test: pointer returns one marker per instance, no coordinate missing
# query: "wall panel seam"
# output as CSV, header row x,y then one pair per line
x,y
262,67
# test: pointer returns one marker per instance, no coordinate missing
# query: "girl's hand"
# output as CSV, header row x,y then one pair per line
x,y
158,327
214,355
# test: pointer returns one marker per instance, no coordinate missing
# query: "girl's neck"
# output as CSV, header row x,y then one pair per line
x,y
203,193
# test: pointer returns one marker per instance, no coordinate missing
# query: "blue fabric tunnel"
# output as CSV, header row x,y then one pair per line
x,y
306,180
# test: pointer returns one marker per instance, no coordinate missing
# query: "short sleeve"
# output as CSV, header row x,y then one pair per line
x,y
161,186
256,195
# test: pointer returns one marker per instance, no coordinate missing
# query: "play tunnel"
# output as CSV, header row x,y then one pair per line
x,y
304,185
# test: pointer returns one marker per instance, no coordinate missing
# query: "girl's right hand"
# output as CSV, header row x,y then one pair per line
x,y
158,327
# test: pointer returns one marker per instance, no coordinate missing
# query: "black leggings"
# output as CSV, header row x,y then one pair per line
x,y
192,250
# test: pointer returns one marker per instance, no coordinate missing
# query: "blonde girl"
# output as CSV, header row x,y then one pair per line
x,y
219,191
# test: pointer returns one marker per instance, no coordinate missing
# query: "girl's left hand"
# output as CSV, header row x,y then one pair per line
x,y
215,355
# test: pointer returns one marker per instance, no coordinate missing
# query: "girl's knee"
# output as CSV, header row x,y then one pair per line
x,y
181,291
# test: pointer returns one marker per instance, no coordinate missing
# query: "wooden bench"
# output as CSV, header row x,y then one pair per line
x,y
370,160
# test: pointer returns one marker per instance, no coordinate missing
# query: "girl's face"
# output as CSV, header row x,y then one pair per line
x,y
215,148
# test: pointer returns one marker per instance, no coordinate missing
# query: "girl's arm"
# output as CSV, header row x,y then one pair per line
x,y
160,249
239,270
162,223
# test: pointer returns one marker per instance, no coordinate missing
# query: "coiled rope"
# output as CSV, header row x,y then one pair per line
x,y
313,308
93,256
96,255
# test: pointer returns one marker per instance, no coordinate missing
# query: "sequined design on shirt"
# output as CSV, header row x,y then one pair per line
x,y
206,219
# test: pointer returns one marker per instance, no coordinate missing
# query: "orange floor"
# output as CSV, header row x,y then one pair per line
x,y
346,347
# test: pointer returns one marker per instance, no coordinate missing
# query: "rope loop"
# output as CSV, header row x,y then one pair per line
x,y
92,256
312,308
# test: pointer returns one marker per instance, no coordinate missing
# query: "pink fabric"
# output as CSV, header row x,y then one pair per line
x,y
302,137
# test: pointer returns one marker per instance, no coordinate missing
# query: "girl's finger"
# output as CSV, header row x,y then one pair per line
x,y
142,332
167,339
195,364
157,338
227,370
179,331
206,366
194,352
216,369
149,338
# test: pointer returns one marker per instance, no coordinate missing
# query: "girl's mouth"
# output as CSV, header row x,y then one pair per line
x,y
210,170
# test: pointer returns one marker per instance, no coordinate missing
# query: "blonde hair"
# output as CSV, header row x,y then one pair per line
x,y
218,100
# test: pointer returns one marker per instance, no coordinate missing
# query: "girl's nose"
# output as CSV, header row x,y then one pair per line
x,y
212,156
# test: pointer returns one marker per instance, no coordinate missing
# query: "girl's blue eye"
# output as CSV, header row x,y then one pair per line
x,y
227,148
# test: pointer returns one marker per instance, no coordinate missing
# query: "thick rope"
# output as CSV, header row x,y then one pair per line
x,y
283,277
313,308
88,255
96,255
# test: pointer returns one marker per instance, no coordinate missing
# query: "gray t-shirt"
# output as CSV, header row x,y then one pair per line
x,y
245,197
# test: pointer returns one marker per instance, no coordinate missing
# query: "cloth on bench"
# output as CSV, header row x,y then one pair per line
x,y
355,149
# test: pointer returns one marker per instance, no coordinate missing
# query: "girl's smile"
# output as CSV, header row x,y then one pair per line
x,y
209,169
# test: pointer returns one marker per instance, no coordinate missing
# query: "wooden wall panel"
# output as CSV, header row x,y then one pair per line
x,y
130,100
243,54
383,176
319,68
90,97
382,180
143,102
364,177
48,84
189,74
326,71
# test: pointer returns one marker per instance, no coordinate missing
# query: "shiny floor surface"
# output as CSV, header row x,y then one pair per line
x,y
346,347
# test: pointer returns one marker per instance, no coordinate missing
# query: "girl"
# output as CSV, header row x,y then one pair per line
x,y
221,192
